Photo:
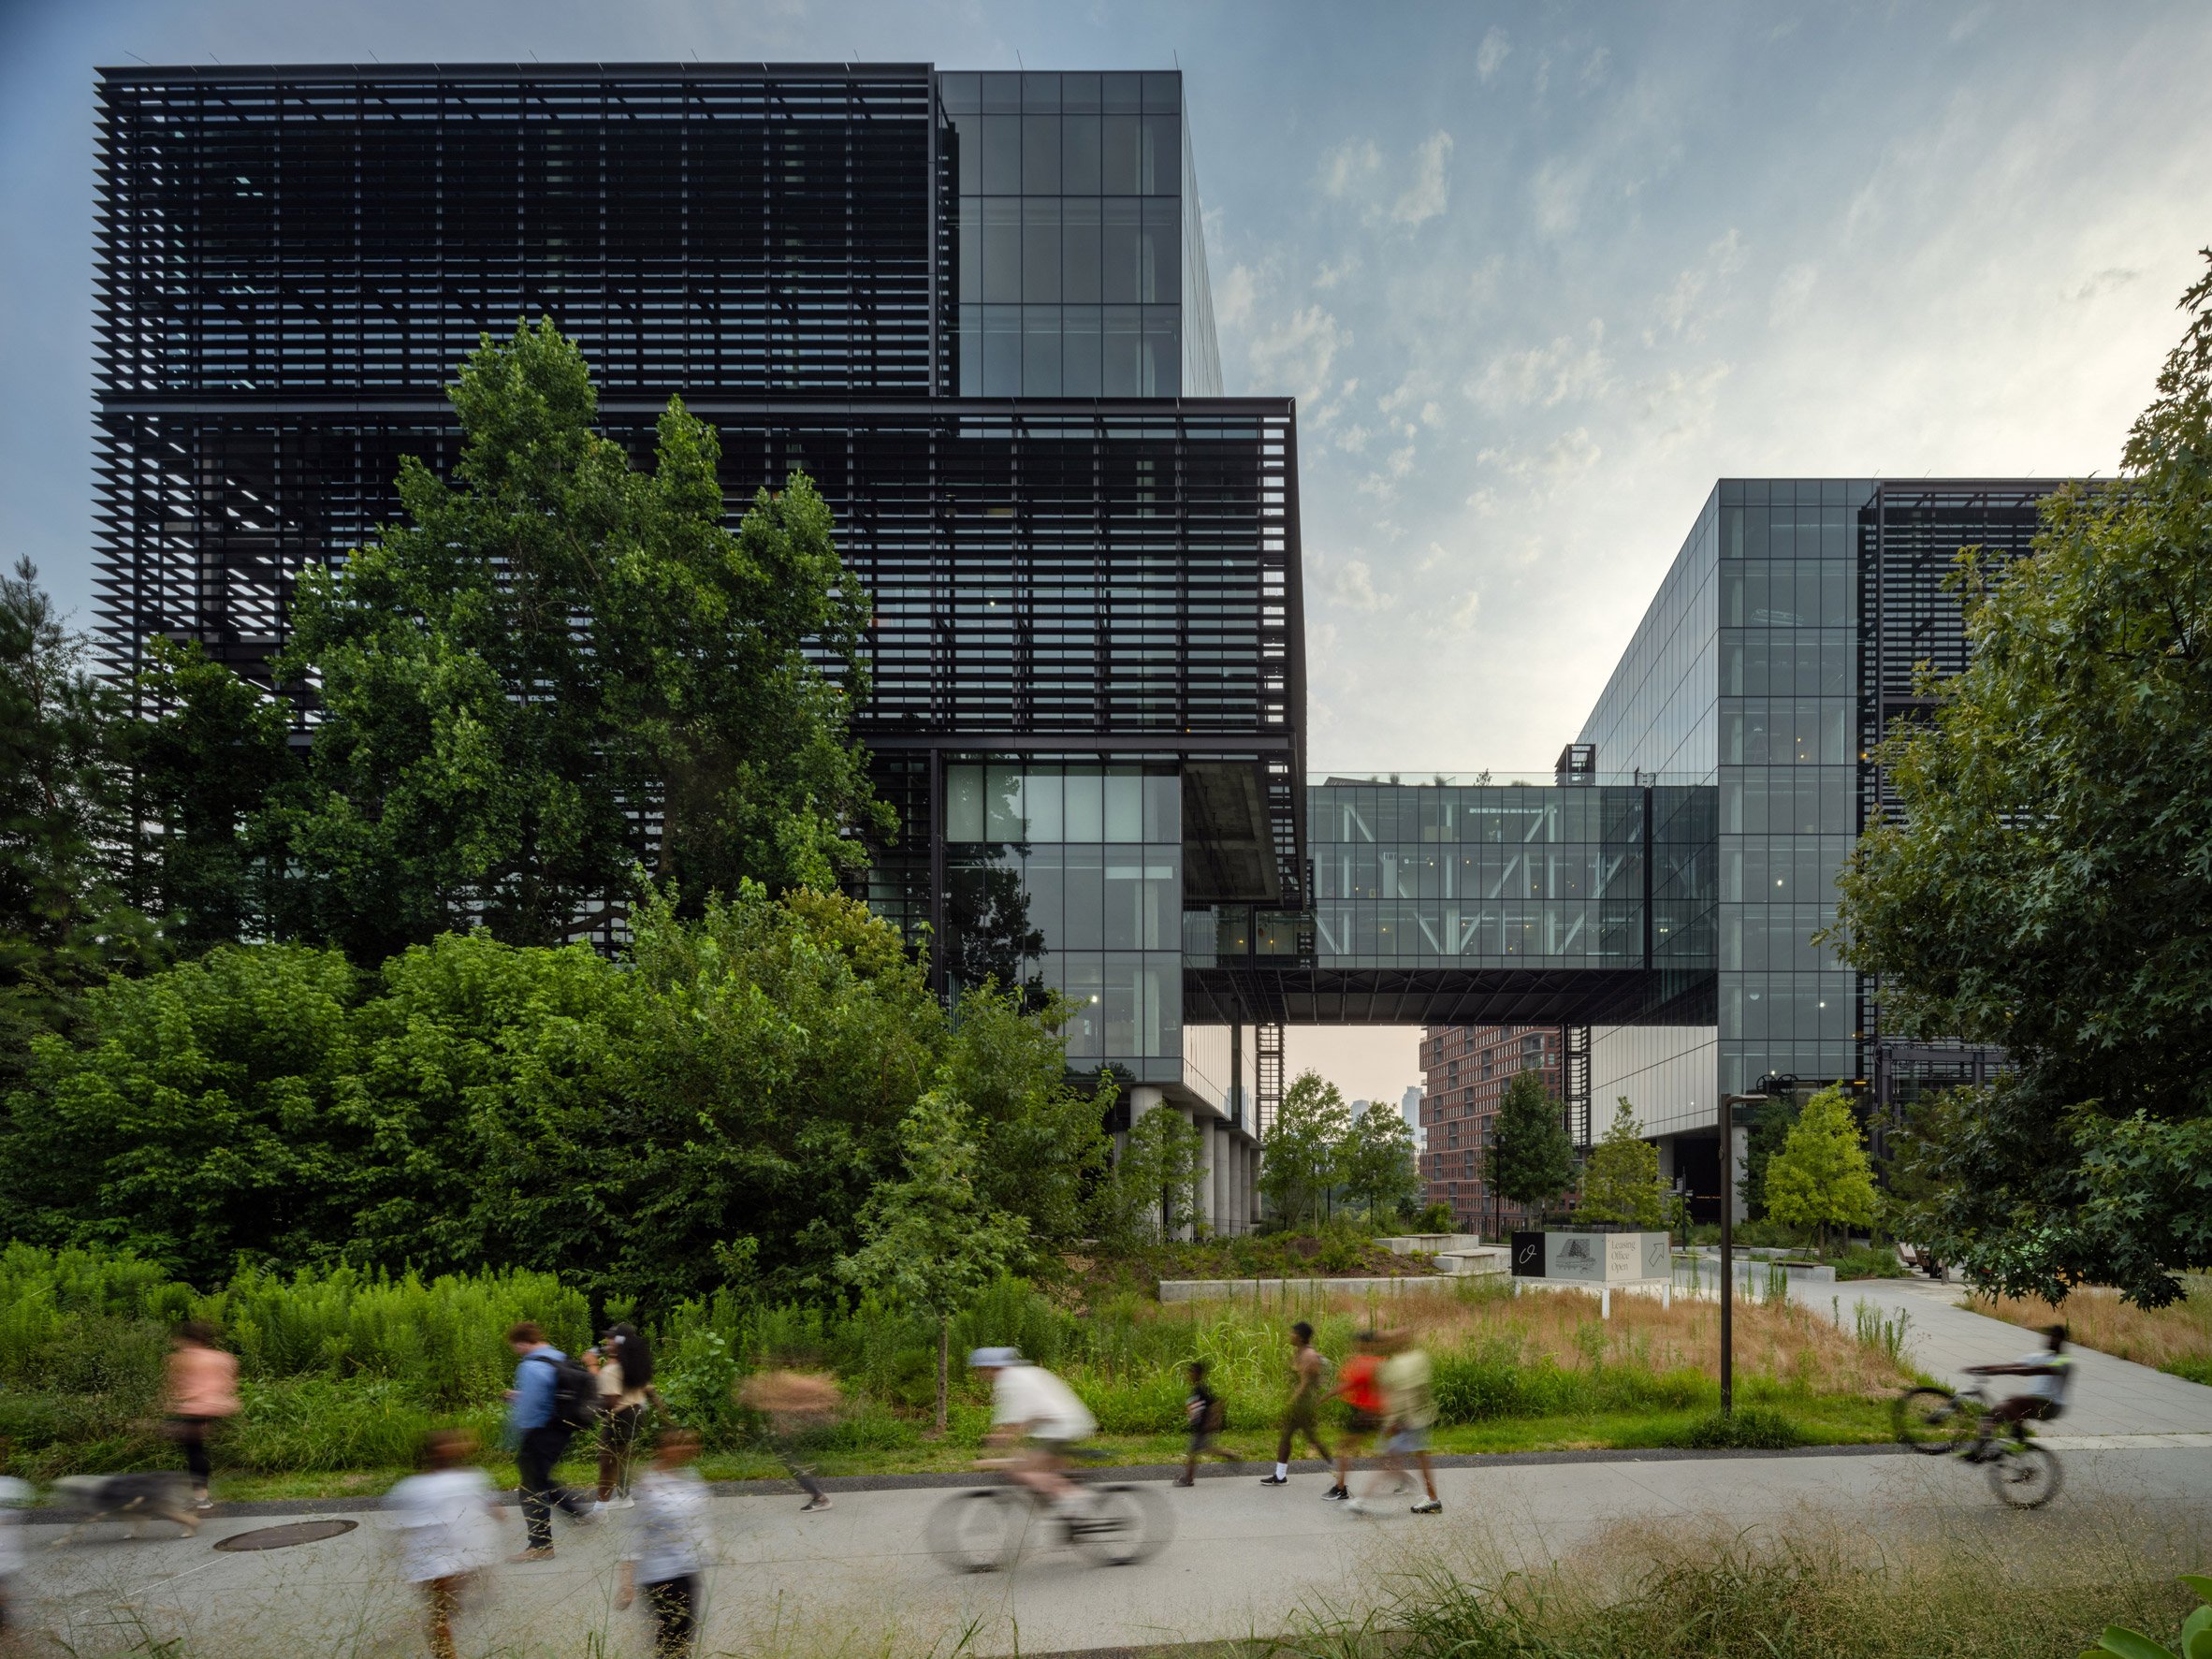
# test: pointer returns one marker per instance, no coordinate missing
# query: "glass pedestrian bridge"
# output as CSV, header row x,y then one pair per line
x,y
1459,899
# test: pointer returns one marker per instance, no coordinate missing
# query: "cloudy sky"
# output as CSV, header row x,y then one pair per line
x,y
1536,273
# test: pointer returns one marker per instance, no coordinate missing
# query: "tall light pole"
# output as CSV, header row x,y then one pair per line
x,y
1768,1087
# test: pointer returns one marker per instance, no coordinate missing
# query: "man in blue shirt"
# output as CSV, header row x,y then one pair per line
x,y
539,1438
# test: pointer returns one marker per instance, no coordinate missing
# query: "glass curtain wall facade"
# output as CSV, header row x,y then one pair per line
x,y
1079,237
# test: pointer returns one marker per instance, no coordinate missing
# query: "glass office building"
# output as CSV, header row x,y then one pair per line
x,y
1779,649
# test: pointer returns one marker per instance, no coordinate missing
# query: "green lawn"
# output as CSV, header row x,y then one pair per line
x,y
1823,1421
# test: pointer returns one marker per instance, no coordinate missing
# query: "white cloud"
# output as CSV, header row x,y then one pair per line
x,y
1431,414
1677,308
1424,198
1383,484
1557,192
1329,275
1593,68
1547,376
1490,57
1234,296
1295,354
2104,282
1460,616
1350,166
1792,290
1680,404
1568,456
1405,391
1353,587
1485,502
1482,281
1353,439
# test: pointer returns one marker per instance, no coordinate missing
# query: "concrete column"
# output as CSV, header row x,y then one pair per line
x,y
1247,1173
1206,1213
1224,1155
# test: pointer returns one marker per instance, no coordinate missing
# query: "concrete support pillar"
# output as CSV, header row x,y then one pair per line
x,y
1247,1189
1205,1212
1224,1154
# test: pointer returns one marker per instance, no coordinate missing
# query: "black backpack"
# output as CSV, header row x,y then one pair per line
x,y
576,1392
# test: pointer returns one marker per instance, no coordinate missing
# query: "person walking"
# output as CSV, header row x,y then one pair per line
x,y
1302,1415
1360,1387
625,1374
1409,1403
1204,1415
668,1545
794,1401
202,1392
542,1407
447,1532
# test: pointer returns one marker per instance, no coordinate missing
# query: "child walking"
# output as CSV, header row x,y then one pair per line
x,y
447,1532
1203,1414
668,1546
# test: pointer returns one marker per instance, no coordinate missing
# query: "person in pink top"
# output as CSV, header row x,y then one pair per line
x,y
203,1391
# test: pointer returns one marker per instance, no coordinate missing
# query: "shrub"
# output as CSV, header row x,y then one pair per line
x,y
1757,1427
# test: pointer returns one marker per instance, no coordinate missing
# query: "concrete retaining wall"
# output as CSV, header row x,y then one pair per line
x,y
1284,1289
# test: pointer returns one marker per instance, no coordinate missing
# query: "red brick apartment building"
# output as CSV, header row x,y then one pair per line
x,y
1466,1069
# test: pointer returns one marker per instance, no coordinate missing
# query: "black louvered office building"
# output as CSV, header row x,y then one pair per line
x,y
974,307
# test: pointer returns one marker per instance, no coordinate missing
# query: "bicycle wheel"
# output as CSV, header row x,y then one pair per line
x,y
2025,1477
1930,1420
1125,1524
979,1532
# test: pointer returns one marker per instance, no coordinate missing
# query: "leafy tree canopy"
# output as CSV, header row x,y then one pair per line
x,y
1301,1158
65,826
1621,1180
722,1101
2048,886
550,646
1379,1171
1821,1177
1531,1161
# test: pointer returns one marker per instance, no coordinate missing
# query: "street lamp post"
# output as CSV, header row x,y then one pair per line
x,y
1767,1088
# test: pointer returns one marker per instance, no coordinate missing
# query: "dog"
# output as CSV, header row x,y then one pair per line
x,y
132,1499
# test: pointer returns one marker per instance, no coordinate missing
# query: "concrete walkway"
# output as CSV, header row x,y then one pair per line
x,y
2108,1396
857,1579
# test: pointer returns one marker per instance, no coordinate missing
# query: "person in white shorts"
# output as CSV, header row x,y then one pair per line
x,y
1035,1411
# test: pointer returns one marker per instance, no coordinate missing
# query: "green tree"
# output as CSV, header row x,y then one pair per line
x,y
1767,1128
1301,1158
552,649
1155,1188
1532,1160
64,837
212,770
1821,1177
1620,1179
2047,885
211,1116
1379,1169
931,1240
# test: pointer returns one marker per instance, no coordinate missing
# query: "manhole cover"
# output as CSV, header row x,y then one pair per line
x,y
283,1538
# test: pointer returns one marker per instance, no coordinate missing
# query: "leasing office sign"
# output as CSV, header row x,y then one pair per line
x,y
1592,1257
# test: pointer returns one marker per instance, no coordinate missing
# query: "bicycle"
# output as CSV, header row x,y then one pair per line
x,y
1936,1421
983,1531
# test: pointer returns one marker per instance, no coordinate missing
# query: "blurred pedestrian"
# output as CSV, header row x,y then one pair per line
x,y
1360,1387
794,1403
445,1517
1302,1415
552,1398
668,1545
625,1371
1410,1403
202,1391
1204,1415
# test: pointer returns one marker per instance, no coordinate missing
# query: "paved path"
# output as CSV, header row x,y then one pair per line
x,y
2108,1396
857,1579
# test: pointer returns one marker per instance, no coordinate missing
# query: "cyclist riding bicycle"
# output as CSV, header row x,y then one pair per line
x,y
2041,1397
1035,1411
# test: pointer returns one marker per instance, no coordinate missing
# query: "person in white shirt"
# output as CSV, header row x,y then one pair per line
x,y
13,1493
668,1544
2042,1391
1034,1411
447,1534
